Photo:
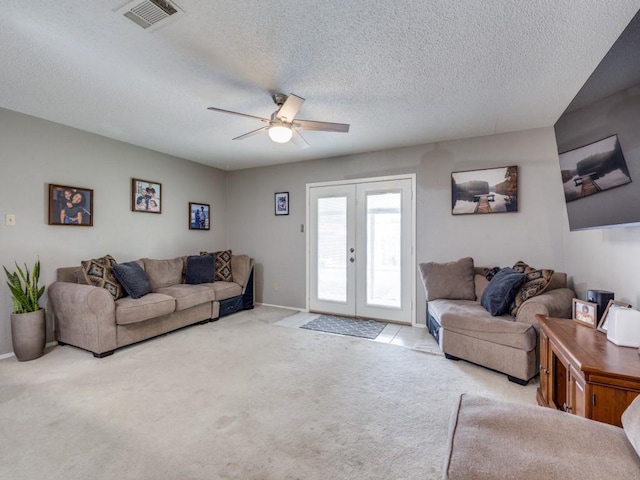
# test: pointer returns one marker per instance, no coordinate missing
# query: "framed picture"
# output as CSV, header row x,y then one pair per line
x,y
146,196
584,312
198,216
593,168
282,203
492,190
70,206
610,310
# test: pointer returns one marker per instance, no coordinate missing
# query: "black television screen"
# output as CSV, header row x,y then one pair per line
x,y
598,138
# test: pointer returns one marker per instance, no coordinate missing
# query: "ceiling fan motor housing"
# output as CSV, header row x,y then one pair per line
x,y
279,98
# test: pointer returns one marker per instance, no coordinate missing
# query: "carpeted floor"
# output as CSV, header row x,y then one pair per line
x,y
346,326
236,399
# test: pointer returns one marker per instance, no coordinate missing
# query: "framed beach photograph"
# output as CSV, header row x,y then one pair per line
x,y
146,196
593,168
584,312
282,203
608,312
199,216
71,206
491,190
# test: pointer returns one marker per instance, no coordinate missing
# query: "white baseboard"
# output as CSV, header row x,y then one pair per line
x,y
283,306
11,354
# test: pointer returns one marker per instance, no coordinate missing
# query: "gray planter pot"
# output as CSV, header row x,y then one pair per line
x,y
28,333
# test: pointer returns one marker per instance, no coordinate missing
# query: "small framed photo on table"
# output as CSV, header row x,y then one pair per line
x,y
584,312
282,203
608,313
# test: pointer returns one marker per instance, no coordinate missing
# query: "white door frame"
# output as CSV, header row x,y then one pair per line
x,y
409,176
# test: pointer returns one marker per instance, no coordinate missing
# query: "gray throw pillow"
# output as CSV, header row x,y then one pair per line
x,y
200,269
631,424
501,291
450,281
133,278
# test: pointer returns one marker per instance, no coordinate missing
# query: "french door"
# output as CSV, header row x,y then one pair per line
x,y
361,249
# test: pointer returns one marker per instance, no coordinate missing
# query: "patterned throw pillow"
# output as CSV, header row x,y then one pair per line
x,y
489,273
535,283
99,272
223,265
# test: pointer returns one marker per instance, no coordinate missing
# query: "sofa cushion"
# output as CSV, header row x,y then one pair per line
x,y
492,439
133,279
536,282
132,310
189,295
631,423
200,269
224,290
469,318
163,273
99,272
452,280
501,290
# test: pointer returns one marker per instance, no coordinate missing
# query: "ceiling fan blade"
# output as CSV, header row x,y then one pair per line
x,y
290,108
298,139
237,113
321,126
253,132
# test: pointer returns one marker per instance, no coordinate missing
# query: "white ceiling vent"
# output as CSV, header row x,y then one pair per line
x,y
151,14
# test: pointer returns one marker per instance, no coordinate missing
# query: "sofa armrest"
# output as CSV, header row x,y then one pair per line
x,y
84,316
553,303
241,268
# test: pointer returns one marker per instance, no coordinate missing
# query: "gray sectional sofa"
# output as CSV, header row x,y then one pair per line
x,y
89,317
465,330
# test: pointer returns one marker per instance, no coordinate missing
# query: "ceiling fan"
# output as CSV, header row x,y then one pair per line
x,y
282,125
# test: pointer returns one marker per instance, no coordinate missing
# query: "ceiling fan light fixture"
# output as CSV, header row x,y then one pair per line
x,y
280,133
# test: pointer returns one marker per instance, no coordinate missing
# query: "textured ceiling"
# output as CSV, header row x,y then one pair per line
x,y
401,73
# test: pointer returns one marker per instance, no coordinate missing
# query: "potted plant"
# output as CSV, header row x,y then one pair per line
x,y
28,321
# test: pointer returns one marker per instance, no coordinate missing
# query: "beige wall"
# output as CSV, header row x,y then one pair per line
x,y
34,153
534,234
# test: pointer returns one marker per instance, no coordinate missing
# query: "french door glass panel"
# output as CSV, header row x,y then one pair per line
x,y
384,249
332,249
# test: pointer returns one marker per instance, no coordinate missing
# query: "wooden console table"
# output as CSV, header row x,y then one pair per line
x,y
581,372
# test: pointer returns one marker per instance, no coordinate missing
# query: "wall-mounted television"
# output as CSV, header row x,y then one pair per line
x,y
598,138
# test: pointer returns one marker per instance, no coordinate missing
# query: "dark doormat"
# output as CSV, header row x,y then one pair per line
x,y
346,326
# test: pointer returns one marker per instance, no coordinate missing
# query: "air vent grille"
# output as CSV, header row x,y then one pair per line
x,y
149,13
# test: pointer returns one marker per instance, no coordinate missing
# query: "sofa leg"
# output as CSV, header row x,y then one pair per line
x,y
204,322
61,344
103,354
450,357
517,380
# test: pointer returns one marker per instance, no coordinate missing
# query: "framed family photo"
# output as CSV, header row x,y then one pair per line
x,y
71,206
608,313
199,216
584,312
282,203
146,196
